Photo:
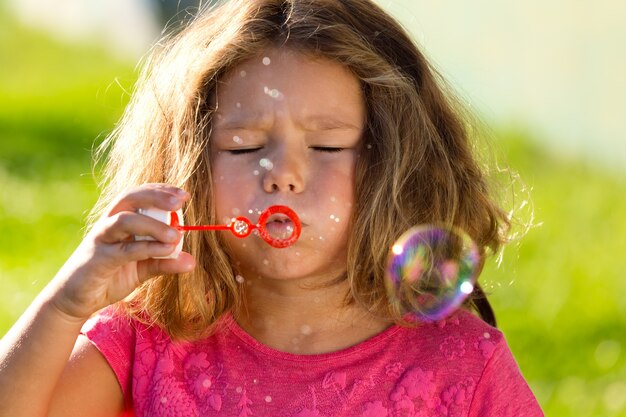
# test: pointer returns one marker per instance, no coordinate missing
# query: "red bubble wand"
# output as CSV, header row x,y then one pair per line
x,y
242,227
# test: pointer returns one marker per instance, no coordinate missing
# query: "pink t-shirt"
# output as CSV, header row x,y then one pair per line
x,y
457,367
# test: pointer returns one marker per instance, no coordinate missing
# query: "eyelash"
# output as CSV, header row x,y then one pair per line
x,y
242,151
327,149
316,148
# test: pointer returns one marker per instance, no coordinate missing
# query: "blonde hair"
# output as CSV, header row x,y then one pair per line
x,y
417,166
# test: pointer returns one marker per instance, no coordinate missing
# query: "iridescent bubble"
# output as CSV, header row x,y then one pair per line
x,y
431,271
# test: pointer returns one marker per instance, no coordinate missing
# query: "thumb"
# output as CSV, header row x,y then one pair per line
x,y
154,267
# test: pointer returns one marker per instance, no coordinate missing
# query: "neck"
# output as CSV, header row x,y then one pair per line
x,y
297,317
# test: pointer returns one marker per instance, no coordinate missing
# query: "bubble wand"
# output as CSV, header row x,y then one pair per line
x,y
241,226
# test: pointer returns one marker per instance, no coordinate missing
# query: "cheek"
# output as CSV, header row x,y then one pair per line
x,y
337,183
224,182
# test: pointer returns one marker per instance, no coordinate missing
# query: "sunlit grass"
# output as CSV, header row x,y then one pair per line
x,y
55,103
559,293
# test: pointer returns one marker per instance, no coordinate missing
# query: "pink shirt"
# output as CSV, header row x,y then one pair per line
x,y
457,367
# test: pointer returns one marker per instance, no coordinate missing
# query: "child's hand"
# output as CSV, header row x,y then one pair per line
x,y
108,265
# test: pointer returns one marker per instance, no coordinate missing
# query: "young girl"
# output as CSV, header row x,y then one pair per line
x,y
324,106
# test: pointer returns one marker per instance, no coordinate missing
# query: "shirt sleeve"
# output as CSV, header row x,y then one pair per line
x,y
502,390
113,334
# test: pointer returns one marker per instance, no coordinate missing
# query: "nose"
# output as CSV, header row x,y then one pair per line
x,y
287,172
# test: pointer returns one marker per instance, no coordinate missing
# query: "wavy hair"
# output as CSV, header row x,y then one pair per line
x,y
417,166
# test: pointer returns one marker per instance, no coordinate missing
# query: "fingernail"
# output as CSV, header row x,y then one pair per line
x,y
172,235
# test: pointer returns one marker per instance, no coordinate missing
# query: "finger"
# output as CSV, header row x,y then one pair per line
x,y
162,196
122,226
154,267
125,252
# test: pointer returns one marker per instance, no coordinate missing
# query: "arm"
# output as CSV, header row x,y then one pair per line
x,y
35,354
101,397
36,378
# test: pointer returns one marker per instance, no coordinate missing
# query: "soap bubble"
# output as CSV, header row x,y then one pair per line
x,y
431,271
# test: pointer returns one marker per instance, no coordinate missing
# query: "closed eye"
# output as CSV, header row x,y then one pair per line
x,y
242,151
328,149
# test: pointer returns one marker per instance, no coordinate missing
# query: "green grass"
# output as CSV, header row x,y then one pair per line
x,y
559,293
55,103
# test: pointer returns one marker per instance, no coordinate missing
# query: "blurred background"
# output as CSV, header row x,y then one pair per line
x,y
547,77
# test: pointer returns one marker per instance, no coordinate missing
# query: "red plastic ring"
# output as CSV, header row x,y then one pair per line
x,y
241,227
265,235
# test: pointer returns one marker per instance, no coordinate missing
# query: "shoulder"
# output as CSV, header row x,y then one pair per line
x,y
460,336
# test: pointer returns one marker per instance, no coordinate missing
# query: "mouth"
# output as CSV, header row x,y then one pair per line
x,y
280,226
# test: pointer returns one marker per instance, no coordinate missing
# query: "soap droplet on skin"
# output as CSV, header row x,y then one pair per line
x,y
266,163
237,140
273,93
266,262
332,216
239,279
250,211
238,105
306,329
255,172
242,73
266,60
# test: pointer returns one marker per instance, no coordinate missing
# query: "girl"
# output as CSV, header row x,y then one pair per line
x,y
327,107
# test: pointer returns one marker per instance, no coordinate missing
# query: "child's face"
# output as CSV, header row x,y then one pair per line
x,y
288,131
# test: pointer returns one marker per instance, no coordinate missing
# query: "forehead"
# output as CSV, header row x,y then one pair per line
x,y
283,79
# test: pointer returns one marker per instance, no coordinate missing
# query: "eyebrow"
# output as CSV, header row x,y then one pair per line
x,y
260,120
244,121
328,122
